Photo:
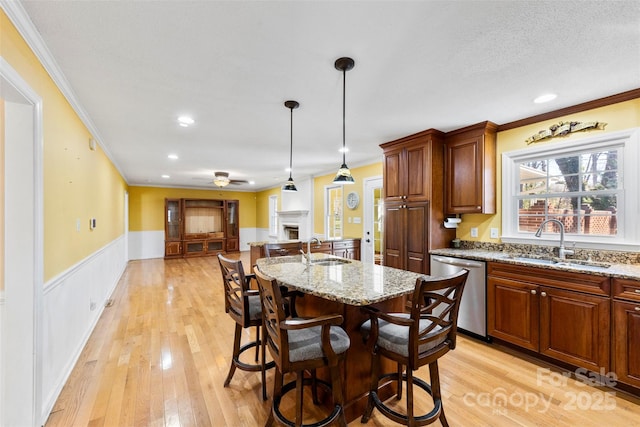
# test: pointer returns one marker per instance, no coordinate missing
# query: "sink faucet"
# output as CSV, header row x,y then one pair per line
x,y
562,252
307,256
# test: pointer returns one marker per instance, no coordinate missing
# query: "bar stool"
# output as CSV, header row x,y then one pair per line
x,y
299,345
243,305
412,340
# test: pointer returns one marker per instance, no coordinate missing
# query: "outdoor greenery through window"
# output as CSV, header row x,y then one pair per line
x,y
588,184
580,190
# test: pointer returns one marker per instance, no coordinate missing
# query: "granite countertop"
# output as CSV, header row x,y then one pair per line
x,y
353,282
609,269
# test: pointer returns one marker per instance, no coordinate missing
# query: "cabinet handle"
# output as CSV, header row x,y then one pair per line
x,y
544,294
533,292
637,308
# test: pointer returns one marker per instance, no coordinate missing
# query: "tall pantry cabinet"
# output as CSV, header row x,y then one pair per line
x,y
413,200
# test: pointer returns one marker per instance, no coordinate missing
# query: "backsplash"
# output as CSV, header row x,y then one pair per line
x,y
614,257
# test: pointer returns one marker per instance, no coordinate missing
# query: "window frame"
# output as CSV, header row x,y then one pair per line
x,y
628,211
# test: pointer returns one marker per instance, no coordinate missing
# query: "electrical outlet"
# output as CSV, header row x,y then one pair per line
x,y
494,233
78,224
474,232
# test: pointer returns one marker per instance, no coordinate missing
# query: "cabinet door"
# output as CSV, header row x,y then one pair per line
x,y
626,342
172,220
172,249
416,231
418,166
195,247
464,176
394,235
232,228
575,328
513,312
393,181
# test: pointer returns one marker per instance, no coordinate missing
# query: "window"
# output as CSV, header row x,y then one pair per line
x,y
273,216
333,211
589,185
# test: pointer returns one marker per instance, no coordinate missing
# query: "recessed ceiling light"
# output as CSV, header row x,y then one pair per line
x,y
166,176
252,182
173,156
545,98
185,121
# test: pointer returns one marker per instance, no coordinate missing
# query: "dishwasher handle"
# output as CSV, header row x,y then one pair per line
x,y
458,262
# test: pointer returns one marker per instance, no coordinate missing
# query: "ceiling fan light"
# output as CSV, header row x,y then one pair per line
x,y
221,180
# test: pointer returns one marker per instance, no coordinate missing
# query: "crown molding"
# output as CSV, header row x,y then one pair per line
x,y
21,20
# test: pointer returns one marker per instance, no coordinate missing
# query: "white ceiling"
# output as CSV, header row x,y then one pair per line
x,y
134,66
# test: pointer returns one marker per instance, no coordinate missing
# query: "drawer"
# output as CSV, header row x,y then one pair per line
x,y
581,282
346,244
626,289
321,247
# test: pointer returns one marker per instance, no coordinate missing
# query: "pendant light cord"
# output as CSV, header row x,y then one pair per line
x,y
291,147
344,86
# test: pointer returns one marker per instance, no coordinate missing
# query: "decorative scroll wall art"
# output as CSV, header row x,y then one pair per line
x,y
564,129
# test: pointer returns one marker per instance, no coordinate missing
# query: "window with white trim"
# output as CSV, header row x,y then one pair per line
x,y
273,216
590,185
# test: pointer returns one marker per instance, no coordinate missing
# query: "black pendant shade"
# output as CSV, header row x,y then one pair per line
x,y
290,185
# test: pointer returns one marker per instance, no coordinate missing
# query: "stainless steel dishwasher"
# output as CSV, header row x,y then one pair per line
x,y
472,317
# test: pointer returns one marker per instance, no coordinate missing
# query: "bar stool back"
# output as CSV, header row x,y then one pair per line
x,y
299,345
415,339
243,305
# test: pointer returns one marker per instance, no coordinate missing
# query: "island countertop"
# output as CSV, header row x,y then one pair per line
x,y
352,282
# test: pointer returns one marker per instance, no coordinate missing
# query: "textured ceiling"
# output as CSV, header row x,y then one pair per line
x,y
134,66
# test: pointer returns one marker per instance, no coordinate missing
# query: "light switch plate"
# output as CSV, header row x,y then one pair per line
x,y
474,232
494,233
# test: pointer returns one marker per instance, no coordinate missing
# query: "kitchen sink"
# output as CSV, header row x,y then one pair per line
x,y
330,262
542,260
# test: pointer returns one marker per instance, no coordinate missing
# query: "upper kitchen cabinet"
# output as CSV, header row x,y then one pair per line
x,y
413,200
409,164
470,170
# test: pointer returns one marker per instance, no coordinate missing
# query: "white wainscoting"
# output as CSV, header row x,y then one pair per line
x,y
150,244
72,304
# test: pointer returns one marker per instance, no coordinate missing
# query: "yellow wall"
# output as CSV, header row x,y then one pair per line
x,y
146,205
319,184
618,117
262,206
79,184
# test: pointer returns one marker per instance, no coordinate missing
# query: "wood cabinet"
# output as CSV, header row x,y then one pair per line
x,y
345,248
470,169
172,228
201,227
413,200
406,231
626,331
348,248
562,315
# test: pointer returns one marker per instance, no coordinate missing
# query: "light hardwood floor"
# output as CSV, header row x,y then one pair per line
x,y
159,356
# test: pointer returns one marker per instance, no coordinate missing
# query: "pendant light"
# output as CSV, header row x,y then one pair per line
x,y
290,186
344,174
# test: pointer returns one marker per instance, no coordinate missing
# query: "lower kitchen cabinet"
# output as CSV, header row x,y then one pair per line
x,y
562,315
626,331
349,249
172,249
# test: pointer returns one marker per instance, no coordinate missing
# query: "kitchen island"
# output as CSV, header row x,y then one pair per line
x,y
334,285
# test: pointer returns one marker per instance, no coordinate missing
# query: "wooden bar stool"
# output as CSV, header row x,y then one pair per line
x,y
412,340
299,345
243,305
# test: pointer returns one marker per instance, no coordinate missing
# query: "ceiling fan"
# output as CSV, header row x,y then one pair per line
x,y
221,179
